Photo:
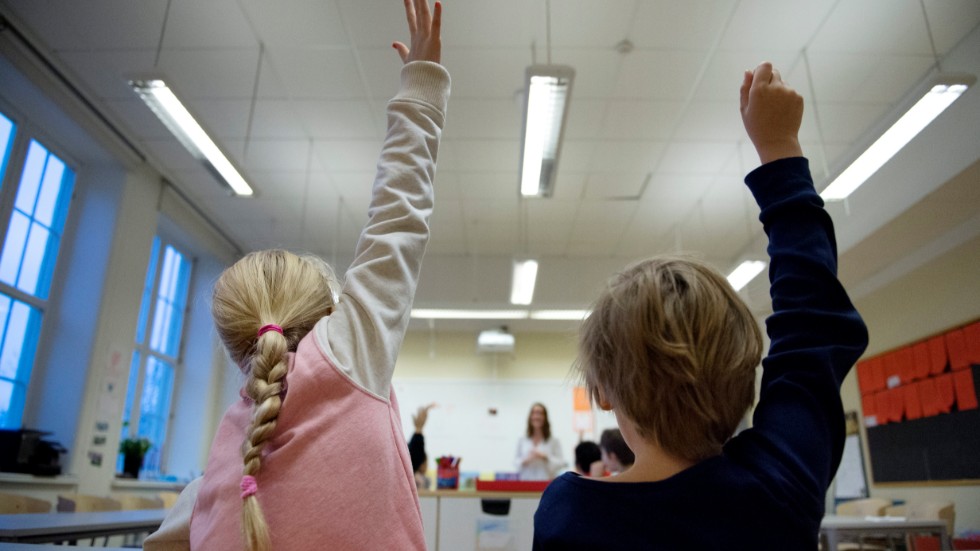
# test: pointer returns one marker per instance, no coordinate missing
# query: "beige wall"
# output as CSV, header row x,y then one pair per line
x,y
941,295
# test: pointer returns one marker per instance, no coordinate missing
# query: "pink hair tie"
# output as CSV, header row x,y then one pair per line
x,y
270,327
249,486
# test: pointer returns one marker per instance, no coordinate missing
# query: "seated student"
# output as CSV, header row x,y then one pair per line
x,y
672,351
416,448
588,459
616,454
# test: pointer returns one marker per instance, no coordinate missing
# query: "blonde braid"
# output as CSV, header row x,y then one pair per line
x,y
264,386
295,292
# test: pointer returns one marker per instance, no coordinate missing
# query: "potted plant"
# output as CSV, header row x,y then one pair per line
x,y
133,450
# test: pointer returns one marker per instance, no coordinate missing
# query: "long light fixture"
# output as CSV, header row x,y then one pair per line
x,y
459,314
522,284
943,92
744,273
162,101
547,91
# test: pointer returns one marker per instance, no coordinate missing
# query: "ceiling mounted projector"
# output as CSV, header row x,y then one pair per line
x,y
495,341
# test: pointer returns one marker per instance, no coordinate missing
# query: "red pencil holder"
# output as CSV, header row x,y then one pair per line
x,y
447,478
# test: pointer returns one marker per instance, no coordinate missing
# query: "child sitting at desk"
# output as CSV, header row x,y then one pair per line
x,y
672,351
313,455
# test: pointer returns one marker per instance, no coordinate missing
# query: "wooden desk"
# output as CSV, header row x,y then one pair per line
x,y
449,518
9,546
55,527
835,529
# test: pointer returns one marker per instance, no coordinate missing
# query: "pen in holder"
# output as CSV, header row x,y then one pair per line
x,y
447,473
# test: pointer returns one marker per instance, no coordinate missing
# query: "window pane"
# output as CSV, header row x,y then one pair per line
x,y
13,248
11,404
30,178
21,330
151,272
30,269
50,189
5,371
6,142
155,408
168,317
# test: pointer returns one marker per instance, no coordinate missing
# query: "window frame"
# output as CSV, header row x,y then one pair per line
x,y
145,350
24,132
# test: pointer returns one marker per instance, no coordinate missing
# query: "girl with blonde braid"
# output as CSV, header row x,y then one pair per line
x,y
313,455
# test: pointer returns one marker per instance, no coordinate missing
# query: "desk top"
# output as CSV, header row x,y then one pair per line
x,y
838,522
479,494
10,546
43,524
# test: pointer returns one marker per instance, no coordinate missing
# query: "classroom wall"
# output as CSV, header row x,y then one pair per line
x,y
935,297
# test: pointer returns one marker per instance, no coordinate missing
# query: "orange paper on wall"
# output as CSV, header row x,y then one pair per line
x,y
864,378
893,370
966,393
580,399
973,341
959,356
928,397
920,360
945,392
881,406
896,404
877,373
905,364
937,355
913,407
868,406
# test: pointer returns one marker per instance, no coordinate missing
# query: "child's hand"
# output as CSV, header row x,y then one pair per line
x,y
772,113
423,28
421,416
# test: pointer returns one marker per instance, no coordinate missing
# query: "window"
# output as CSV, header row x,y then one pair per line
x,y
156,354
32,218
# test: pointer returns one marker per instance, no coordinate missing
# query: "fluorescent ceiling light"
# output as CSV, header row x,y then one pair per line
x,y
923,112
448,314
745,273
162,101
522,284
546,91
570,315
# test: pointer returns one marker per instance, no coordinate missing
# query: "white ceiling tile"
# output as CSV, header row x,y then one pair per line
x,y
349,155
584,118
866,78
842,122
773,26
696,157
307,23
658,75
507,23
858,27
265,154
723,77
279,119
692,25
381,73
171,154
138,118
615,185
575,156
486,73
640,120
484,119
711,120
596,70
210,73
488,185
215,23
585,23
569,186
446,185
604,221
332,119
107,74
626,156
96,24
290,185
549,222
951,20
486,155
220,118
310,73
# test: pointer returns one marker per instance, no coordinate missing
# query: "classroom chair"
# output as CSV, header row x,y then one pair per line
x,y
169,499
867,507
932,510
15,504
83,503
132,502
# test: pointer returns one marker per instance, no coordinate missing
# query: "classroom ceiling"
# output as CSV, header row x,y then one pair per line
x,y
654,152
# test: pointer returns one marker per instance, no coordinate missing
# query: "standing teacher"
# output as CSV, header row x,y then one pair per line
x,y
538,454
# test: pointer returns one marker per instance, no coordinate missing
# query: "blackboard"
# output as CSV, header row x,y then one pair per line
x,y
943,447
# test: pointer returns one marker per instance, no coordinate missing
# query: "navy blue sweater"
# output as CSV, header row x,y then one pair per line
x,y
766,490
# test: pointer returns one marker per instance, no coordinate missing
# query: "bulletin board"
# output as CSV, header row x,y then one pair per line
x,y
481,420
920,409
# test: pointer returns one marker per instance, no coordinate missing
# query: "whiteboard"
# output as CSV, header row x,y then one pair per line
x,y
462,425
850,481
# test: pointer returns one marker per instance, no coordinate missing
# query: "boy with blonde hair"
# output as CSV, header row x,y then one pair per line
x,y
672,351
